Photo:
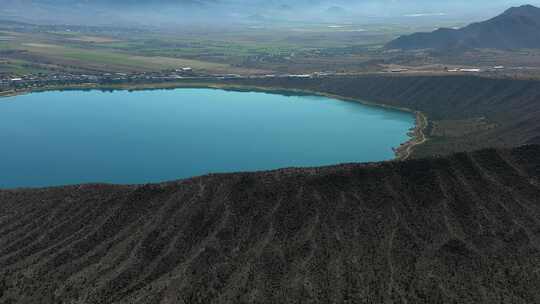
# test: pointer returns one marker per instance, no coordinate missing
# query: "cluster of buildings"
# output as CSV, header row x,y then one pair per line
x,y
42,80
476,70
8,82
454,70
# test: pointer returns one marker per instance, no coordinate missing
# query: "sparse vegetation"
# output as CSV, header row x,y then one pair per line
x,y
459,229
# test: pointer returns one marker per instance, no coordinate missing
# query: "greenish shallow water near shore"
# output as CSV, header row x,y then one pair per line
x,y
81,136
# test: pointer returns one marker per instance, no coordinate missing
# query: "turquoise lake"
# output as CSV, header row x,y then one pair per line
x,y
70,137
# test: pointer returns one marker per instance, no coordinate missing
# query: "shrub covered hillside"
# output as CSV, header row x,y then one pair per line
x,y
459,229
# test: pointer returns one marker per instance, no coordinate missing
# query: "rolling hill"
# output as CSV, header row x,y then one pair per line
x,y
518,27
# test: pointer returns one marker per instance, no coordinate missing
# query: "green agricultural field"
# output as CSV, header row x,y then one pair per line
x,y
293,49
239,50
107,60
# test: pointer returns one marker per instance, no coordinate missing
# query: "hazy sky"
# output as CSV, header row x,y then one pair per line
x,y
223,11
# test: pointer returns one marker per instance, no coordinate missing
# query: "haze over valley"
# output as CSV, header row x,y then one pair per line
x,y
232,37
227,12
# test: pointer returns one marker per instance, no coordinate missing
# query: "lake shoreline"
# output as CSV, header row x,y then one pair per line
x,y
403,152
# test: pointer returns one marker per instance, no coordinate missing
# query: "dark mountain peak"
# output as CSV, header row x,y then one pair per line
x,y
524,10
517,27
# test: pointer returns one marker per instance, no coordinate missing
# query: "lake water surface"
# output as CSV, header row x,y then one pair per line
x,y
70,137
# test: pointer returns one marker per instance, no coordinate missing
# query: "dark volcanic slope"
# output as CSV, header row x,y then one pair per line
x,y
518,27
461,229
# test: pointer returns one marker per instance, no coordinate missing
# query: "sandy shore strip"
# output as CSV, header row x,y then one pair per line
x,y
418,137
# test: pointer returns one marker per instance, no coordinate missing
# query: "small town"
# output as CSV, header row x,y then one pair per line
x,y
41,80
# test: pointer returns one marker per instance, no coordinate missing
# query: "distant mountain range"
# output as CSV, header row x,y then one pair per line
x,y
155,12
162,12
518,27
